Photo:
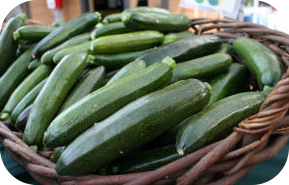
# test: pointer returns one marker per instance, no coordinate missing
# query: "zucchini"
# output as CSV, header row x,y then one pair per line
x,y
126,42
203,67
47,57
57,24
24,45
80,48
14,76
22,118
109,29
88,83
8,46
32,32
26,101
23,89
112,18
143,161
156,21
108,76
184,49
135,124
78,25
260,60
129,69
52,95
233,81
34,64
116,61
148,9
217,120
105,101
225,48
57,153
171,37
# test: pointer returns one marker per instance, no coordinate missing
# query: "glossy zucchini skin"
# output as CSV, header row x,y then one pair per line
x,y
148,9
27,100
225,48
22,118
8,46
32,32
34,64
14,76
104,102
260,60
135,124
171,37
129,69
47,57
184,49
88,83
232,81
112,18
80,48
52,95
143,161
108,76
203,67
217,120
26,86
156,21
109,29
57,153
116,61
126,42
78,25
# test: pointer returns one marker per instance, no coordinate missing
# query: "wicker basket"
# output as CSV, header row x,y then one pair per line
x,y
256,139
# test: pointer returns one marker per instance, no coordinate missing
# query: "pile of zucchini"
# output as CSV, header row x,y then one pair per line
x,y
128,93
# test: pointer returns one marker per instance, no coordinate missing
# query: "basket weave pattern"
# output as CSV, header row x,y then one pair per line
x,y
256,138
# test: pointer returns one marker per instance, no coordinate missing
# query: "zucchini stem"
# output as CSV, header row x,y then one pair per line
x,y
125,17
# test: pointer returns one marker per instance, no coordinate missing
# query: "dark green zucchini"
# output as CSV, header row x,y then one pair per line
x,y
105,101
88,83
171,37
203,67
47,57
108,76
156,21
129,69
225,48
52,95
109,29
184,49
32,32
261,61
34,64
217,120
78,25
126,42
135,124
232,81
24,45
148,9
8,46
57,153
22,118
112,18
116,61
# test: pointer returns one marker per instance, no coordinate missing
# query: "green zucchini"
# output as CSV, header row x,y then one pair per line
x,y
143,161
8,46
156,21
260,60
171,37
26,101
78,25
24,45
126,42
225,48
148,9
203,67
47,57
112,18
22,118
80,48
135,124
129,69
184,49
232,81
14,76
108,76
34,64
57,24
32,32
105,101
109,29
23,89
217,120
57,153
52,95
116,61
88,83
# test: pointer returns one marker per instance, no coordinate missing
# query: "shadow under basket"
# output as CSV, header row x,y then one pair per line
x,y
254,140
